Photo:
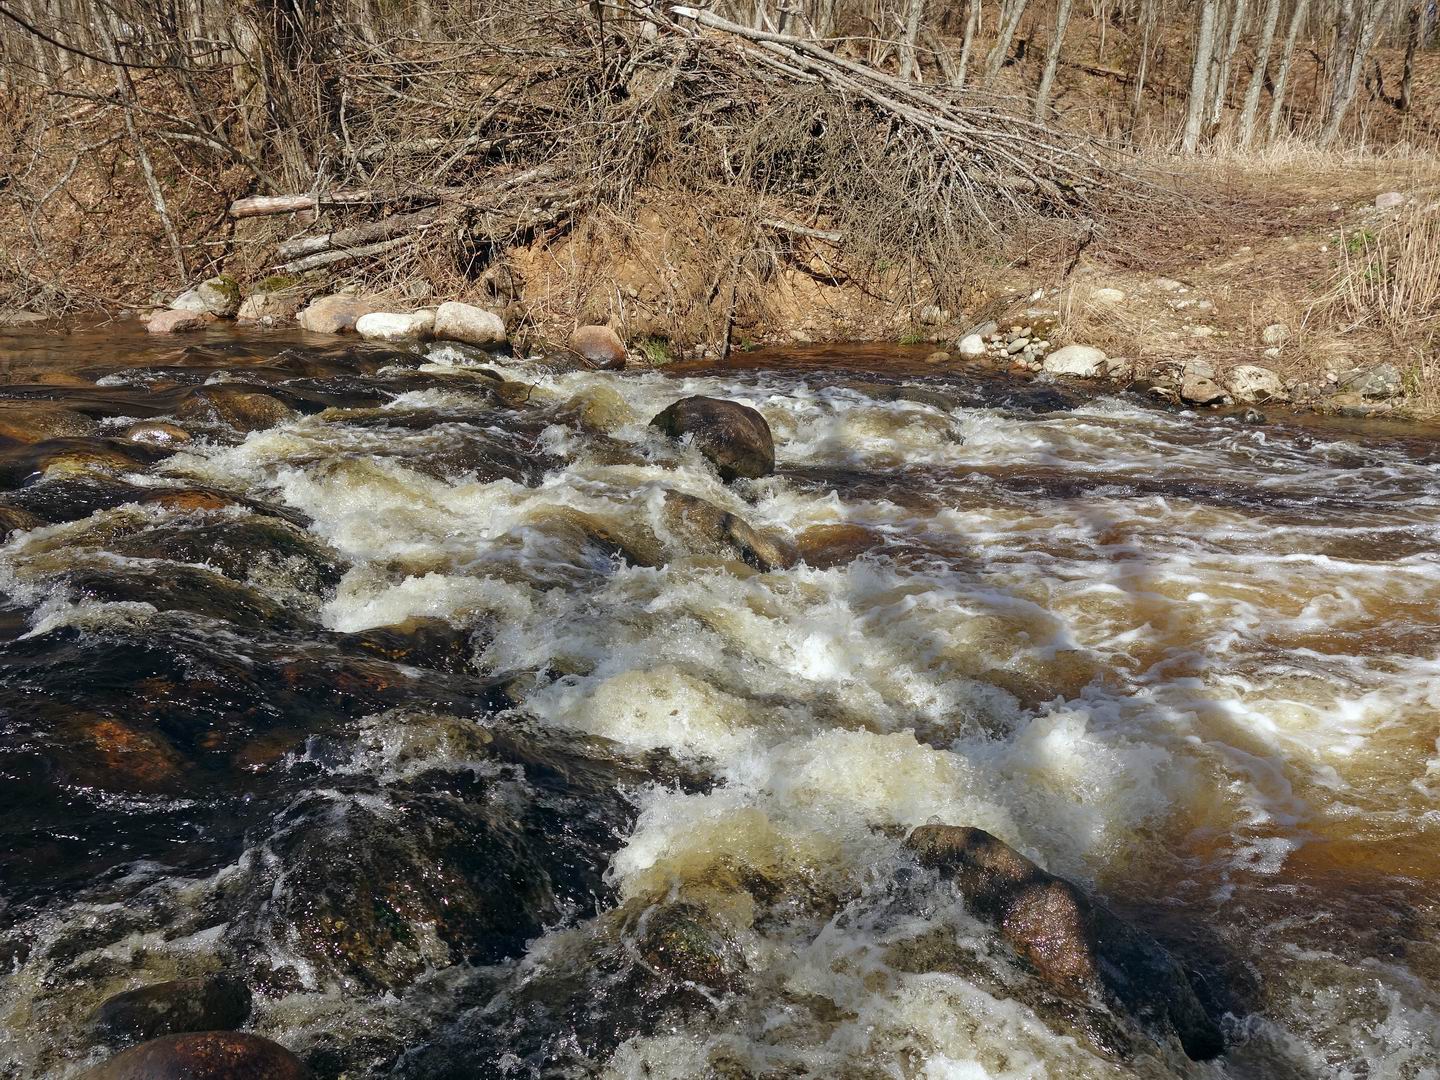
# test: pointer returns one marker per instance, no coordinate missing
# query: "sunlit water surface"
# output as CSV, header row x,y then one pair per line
x,y
1188,663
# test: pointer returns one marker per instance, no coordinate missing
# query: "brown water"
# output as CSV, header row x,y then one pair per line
x,y
1188,663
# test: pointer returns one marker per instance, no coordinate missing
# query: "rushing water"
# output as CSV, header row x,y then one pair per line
x,y
605,806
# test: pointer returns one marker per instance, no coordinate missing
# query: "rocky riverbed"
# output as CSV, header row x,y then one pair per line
x,y
424,710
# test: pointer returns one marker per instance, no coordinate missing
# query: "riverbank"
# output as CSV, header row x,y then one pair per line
x,y
1313,268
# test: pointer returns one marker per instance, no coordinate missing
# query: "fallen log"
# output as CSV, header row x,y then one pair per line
x,y
357,235
330,258
263,205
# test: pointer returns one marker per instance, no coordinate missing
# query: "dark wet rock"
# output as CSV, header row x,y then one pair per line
x,y
244,549
203,1003
596,541
601,409
632,972
1253,416
241,408
374,886
419,642
77,459
703,528
1073,944
922,395
684,941
599,346
156,433
13,519
209,1055
735,437
31,422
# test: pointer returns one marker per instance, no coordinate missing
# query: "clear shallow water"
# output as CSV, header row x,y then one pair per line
x,y
1189,664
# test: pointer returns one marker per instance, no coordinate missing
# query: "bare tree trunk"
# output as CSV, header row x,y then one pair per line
x,y
1011,13
908,65
1257,77
1282,74
1052,58
1369,30
1223,63
1142,66
1199,76
967,43
1412,42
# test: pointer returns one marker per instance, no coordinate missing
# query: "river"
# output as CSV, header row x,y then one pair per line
x,y
410,708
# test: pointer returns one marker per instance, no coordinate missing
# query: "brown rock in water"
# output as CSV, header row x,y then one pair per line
x,y
204,1003
242,409
156,433
207,1055
335,314
600,346
939,356
826,546
420,642
13,519
175,322
733,436
1077,946
704,528
27,423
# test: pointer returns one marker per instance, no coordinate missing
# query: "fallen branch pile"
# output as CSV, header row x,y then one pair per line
x,y
491,143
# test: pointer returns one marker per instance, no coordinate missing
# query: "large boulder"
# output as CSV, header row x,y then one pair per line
x,y
175,321
1250,384
1082,361
971,347
335,314
206,1055
600,347
395,326
469,324
204,1003
32,422
703,528
1071,942
733,436
218,296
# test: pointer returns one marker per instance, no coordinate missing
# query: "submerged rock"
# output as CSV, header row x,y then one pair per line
x,y
600,347
1072,943
734,437
703,527
208,1055
241,408
31,423
471,325
204,1003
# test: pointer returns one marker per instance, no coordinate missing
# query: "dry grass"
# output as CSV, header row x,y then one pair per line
x,y
1386,287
